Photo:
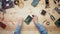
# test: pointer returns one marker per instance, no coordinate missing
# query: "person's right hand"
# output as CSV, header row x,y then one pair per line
x,y
35,19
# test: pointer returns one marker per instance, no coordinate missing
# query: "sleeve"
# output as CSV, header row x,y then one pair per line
x,y
18,29
41,28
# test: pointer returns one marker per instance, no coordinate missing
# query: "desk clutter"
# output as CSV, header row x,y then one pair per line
x,y
5,4
8,4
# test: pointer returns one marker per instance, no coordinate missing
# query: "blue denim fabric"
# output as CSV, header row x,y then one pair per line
x,y
41,28
18,29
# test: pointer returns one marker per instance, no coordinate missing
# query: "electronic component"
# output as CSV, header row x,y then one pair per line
x,y
21,4
56,1
35,3
44,21
57,9
7,4
0,5
2,25
28,19
52,17
57,23
47,23
43,12
16,2
2,10
47,3
25,0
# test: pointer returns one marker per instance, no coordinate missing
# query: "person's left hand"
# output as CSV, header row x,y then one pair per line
x,y
20,20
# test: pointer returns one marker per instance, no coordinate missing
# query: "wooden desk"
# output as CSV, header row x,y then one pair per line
x,y
12,15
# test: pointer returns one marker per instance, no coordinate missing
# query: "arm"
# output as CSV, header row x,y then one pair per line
x,y
41,28
18,29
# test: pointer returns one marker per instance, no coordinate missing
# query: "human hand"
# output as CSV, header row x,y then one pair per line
x,y
35,19
20,20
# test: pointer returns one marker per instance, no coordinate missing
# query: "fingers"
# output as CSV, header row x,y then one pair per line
x,y
35,18
20,20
